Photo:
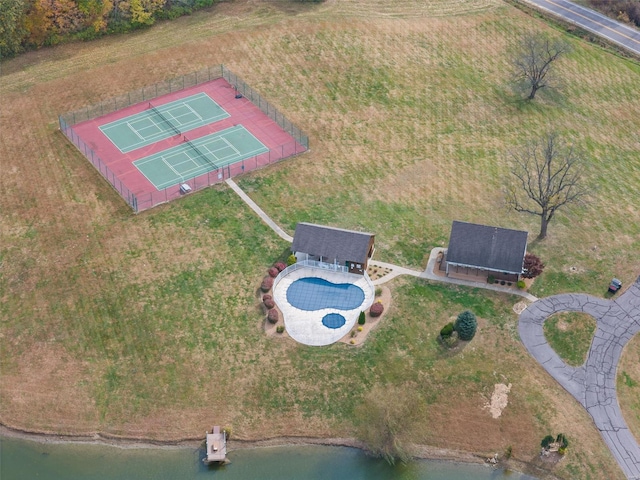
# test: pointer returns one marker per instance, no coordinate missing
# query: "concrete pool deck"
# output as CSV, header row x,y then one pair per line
x,y
306,326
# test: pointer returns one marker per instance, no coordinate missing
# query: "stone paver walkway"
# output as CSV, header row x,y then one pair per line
x,y
594,383
429,274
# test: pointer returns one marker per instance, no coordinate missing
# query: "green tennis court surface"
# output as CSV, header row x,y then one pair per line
x,y
159,122
193,158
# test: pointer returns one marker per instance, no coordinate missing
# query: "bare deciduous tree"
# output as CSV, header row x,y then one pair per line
x,y
548,175
387,419
534,59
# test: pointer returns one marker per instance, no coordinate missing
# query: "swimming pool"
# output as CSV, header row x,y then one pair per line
x,y
313,293
320,306
333,320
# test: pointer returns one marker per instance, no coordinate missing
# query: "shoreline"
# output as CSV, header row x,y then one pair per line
x,y
421,452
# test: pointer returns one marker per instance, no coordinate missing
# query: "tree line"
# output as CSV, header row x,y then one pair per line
x,y
29,24
624,10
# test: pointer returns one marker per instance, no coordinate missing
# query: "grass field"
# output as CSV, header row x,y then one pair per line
x,y
628,384
570,334
151,322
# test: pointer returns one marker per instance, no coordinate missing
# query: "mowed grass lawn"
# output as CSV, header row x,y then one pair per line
x,y
149,325
570,335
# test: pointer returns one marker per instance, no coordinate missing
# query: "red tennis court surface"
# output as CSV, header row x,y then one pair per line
x,y
118,168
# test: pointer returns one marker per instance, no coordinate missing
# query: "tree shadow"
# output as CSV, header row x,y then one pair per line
x,y
536,241
447,351
515,95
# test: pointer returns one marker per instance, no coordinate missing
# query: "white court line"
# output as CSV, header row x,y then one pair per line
x,y
234,148
162,130
135,130
194,112
191,159
171,167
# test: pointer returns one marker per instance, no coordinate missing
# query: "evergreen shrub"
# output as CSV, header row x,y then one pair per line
x,y
466,325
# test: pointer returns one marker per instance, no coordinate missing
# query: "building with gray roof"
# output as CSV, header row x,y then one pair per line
x,y
335,246
493,249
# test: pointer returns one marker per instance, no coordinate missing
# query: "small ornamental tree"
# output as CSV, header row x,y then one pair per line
x,y
562,440
466,325
292,259
361,318
546,441
532,266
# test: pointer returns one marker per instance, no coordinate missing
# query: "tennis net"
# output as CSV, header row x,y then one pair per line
x,y
165,119
199,152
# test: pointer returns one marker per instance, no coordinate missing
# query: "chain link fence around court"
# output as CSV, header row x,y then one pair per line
x,y
145,201
142,95
97,162
268,109
148,200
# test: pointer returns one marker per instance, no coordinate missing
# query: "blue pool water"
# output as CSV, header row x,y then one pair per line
x,y
333,320
312,293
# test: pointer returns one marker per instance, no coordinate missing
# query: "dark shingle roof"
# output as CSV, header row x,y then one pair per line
x,y
332,243
487,247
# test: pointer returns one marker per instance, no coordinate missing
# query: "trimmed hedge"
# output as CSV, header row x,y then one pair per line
x,y
280,266
267,283
376,309
269,303
447,330
272,315
361,318
273,272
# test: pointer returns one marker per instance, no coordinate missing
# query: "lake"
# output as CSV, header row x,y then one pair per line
x,y
25,459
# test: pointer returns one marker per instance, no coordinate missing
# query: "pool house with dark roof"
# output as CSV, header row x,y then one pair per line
x,y
483,250
333,246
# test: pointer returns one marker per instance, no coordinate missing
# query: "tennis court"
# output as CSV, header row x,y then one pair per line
x,y
193,158
156,123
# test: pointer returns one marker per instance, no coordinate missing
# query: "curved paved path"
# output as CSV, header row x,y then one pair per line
x,y
594,22
594,383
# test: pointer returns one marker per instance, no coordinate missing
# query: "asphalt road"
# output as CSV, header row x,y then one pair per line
x,y
594,383
594,22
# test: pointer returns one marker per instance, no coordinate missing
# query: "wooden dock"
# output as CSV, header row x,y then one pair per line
x,y
216,447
